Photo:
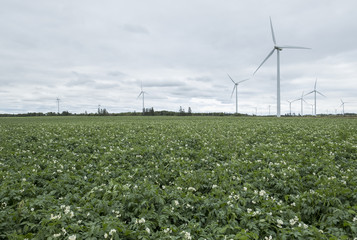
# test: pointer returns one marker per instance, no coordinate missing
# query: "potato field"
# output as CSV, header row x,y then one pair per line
x,y
178,178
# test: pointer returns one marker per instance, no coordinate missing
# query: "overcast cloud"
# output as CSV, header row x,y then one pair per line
x,y
90,53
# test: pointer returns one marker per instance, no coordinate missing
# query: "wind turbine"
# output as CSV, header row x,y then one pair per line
x,y
343,106
302,100
315,91
290,104
236,89
278,48
58,100
142,93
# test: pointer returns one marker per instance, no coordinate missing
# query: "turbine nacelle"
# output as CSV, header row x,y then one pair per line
x,y
342,103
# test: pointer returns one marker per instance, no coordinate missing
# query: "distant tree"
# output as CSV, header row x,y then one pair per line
x,y
152,112
104,112
149,111
182,111
189,111
65,113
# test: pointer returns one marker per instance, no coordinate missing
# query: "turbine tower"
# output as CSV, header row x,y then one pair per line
x,y
58,100
278,48
236,89
302,100
143,94
315,91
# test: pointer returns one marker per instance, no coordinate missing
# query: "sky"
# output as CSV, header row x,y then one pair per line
x,y
89,53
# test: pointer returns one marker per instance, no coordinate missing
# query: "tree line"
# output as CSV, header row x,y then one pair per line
x,y
145,112
104,112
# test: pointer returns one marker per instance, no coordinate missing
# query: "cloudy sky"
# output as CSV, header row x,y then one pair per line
x,y
90,53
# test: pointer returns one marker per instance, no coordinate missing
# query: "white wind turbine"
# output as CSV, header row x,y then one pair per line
x,y
58,101
278,48
236,89
143,94
290,105
302,100
315,91
343,106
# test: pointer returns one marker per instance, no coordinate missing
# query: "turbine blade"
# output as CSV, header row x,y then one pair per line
x,y
243,80
315,84
320,93
231,79
235,86
272,31
140,94
272,51
292,47
309,93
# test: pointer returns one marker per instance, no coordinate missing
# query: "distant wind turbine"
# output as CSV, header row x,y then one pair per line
x,y
58,100
143,94
343,106
236,89
290,105
302,100
278,49
315,91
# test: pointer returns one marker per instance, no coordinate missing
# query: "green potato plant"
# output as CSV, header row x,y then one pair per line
x,y
178,178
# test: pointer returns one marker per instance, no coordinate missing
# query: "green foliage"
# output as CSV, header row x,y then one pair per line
x,y
178,178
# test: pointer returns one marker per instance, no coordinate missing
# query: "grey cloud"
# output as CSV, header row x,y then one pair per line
x,y
200,79
181,51
116,74
132,28
163,83
80,80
